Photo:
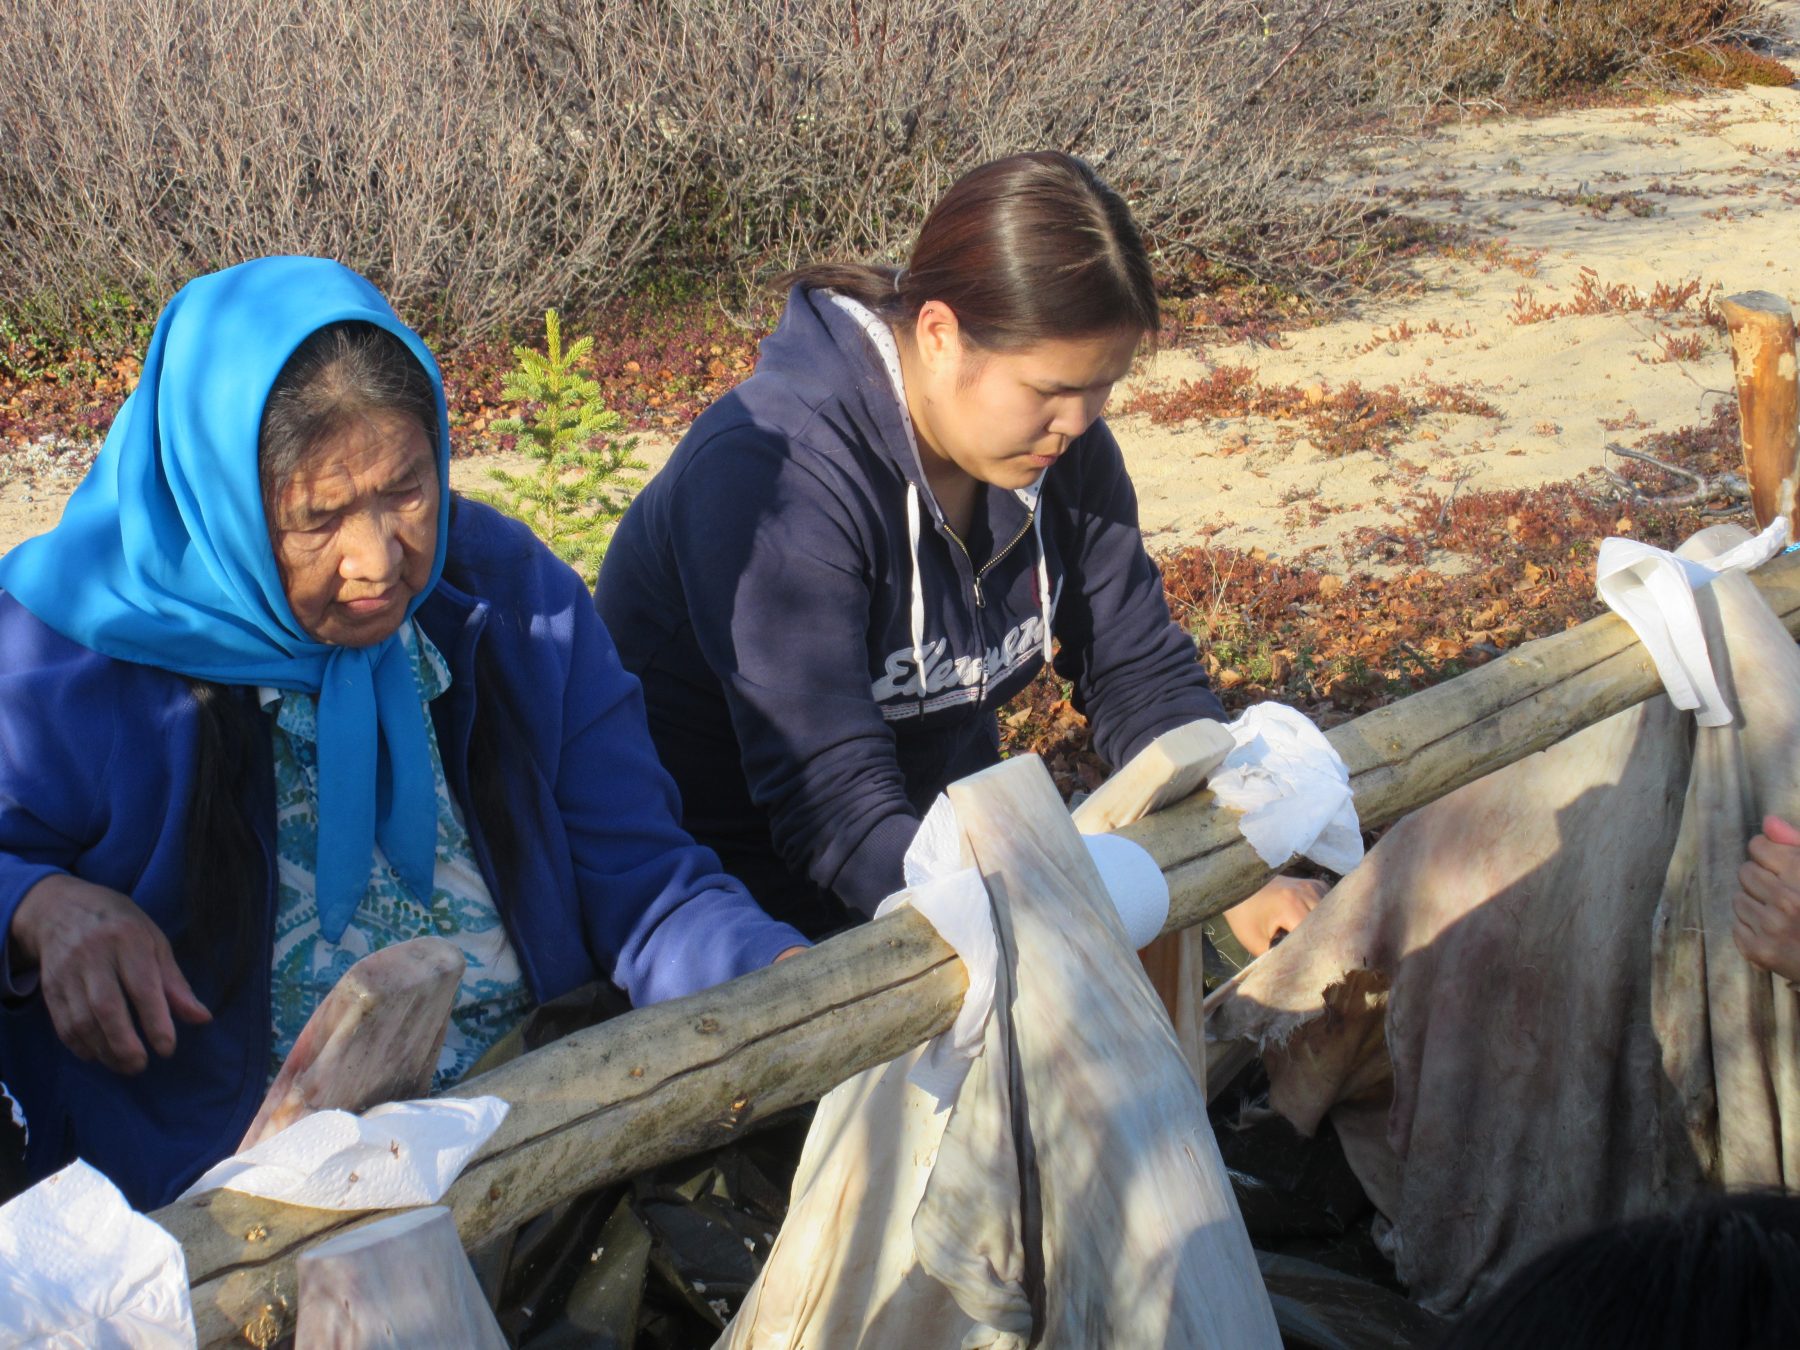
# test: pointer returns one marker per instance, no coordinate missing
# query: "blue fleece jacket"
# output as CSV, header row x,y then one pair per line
x,y
764,585
96,770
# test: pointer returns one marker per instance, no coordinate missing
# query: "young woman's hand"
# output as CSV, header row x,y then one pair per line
x,y
1766,911
99,960
1273,912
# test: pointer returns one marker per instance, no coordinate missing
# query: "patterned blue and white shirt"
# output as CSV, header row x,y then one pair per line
x,y
493,997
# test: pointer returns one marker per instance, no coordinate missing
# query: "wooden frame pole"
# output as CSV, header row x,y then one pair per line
x,y
668,1081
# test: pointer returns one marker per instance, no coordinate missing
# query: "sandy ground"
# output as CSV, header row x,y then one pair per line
x,y
1716,180
1699,189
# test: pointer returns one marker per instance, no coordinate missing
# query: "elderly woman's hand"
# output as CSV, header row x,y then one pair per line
x,y
1766,912
99,959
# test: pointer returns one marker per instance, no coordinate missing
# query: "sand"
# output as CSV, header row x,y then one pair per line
x,y
1718,178
1702,189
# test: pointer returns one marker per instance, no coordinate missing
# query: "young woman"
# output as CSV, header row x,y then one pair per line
x,y
861,552
270,700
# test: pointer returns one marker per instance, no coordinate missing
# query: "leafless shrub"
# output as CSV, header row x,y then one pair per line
x,y
1513,50
829,127
485,159
428,144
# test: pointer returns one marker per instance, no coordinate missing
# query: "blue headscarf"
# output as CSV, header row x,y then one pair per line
x,y
163,558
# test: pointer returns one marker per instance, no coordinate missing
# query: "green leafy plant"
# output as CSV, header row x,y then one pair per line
x,y
587,473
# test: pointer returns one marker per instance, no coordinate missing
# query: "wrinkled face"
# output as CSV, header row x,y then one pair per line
x,y
1005,417
355,529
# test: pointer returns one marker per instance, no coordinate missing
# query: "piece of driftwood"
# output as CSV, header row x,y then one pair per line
x,y
1762,358
1732,486
400,1283
375,1038
707,1065
1073,1197
1169,768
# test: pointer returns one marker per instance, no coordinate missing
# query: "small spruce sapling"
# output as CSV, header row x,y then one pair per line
x,y
588,473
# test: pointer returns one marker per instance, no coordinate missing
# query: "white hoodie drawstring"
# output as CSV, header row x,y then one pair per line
x,y
1043,574
918,587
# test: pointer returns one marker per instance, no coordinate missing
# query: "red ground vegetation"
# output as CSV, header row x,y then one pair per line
x,y
1336,646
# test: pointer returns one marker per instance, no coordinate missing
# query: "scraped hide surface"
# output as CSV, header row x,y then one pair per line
x,y
1074,1187
375,1038
1524,1011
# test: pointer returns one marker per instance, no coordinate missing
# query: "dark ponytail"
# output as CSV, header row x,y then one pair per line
x,y
225,870
1022,249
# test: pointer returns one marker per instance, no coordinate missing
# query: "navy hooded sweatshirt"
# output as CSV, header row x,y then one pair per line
x,y
821,655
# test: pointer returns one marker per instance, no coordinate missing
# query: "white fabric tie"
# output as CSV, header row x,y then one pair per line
x,y
1653,591
955,899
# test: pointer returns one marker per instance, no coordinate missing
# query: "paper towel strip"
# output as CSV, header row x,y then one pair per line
x,y
391,1157
1653,591
79,1268
1292,789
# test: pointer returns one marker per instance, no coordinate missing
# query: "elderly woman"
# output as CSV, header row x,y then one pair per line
x,y
271,699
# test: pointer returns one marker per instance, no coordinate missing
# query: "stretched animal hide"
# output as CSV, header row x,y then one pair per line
x,y
1524,1012
1072,1197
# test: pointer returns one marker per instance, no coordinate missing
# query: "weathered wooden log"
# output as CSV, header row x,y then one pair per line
x,y
1416,750
1762,357
667,1081
374,1038
609,1102
400,1283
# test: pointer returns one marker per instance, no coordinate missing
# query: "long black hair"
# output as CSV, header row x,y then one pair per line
x,y
342,371
1722,1274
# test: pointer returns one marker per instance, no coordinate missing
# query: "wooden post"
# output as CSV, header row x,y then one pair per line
x,y
667,1081
1166,965
400,1283
1762,357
